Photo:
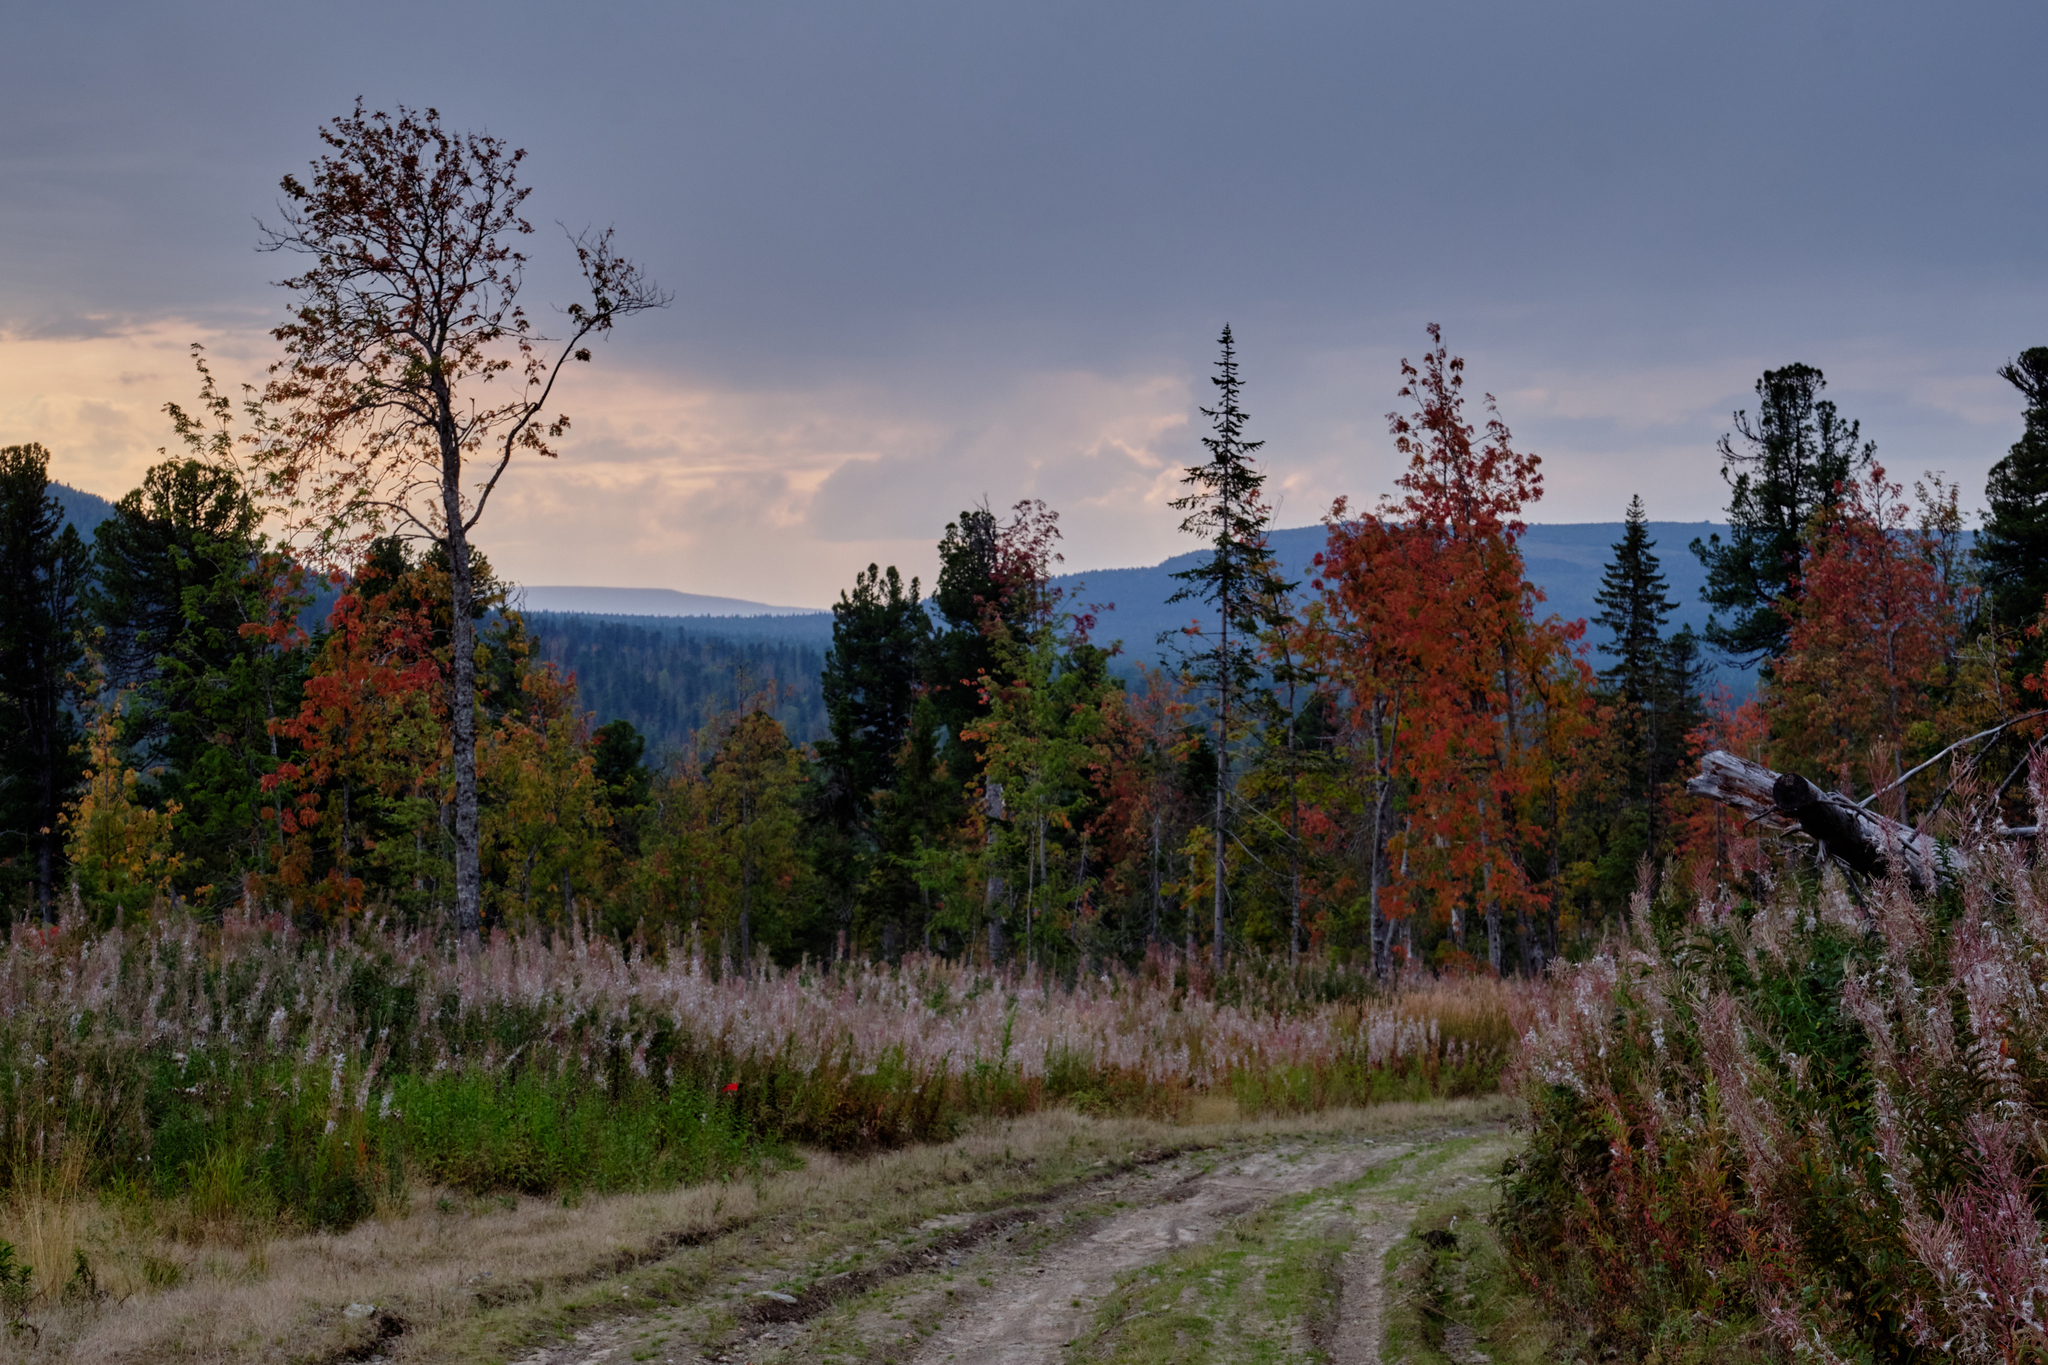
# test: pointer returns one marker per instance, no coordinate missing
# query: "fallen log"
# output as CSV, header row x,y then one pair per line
x,y
1859,839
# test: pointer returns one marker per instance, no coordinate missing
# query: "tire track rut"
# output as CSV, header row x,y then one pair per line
x,y
1018,1285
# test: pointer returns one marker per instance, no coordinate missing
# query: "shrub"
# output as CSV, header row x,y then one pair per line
x,y
1816,1119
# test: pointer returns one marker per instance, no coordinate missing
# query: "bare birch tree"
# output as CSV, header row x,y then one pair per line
x,y
411,375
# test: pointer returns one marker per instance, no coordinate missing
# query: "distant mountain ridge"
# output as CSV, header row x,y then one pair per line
x,y
667,659
82,509
643,602
1566,560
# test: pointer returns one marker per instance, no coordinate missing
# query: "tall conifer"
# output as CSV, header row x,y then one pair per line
x,y
1238,580
1653,683
2013,547
44,565
880,635
1796,455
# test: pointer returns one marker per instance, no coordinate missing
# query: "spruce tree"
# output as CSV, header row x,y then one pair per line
x,y
1653,684
2013,547
1238,581
45,567
1797,453
1634,607
960,652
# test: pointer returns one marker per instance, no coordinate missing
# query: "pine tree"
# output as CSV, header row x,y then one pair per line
x,y
45,567
969,598
177,580
879,637
1238,580
616,753
1798,454
2013,547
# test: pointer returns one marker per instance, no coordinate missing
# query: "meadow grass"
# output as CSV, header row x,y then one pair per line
x,y
175,1095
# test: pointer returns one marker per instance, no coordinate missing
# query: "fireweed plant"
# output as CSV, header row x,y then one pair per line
x,y
1814,1123
260,1073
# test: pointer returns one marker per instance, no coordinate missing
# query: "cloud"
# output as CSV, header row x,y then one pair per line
x,y
782,495
95,397
780,492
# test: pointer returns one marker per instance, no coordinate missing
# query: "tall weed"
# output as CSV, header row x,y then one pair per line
x,y
249,1073
1818,1118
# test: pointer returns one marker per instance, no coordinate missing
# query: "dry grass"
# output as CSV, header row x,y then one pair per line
x,y
474,1278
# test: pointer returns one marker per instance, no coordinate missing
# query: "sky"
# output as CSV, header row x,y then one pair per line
x,y
927,254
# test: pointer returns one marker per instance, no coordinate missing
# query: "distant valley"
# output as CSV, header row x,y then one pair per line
x,y
667,660
669,671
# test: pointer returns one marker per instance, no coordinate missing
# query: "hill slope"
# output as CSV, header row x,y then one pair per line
x,y
644,602
1565,560
82,509
668,673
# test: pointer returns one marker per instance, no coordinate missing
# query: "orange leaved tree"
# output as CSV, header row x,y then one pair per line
x,y
1873,628
369,731
1462,708
412,375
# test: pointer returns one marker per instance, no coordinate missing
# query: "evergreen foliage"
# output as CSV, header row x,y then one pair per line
x,y
880,636
879,632
178,575
45,567
969,597
1239,582
1653,688
2013,546
1794,458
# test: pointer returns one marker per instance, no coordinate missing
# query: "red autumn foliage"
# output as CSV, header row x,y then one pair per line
x,y
1460,702
371,724
1874,623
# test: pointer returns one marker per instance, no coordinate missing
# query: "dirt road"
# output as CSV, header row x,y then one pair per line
x,y
1266,1247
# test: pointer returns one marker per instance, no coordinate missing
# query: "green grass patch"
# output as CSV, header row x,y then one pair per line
x,y
1452,1296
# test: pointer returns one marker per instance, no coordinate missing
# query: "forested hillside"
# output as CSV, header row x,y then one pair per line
x,y
81,509
671,676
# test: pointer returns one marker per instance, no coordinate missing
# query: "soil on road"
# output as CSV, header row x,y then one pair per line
x,y
1259,1244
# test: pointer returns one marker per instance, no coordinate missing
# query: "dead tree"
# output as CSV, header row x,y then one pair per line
x,y
1850,833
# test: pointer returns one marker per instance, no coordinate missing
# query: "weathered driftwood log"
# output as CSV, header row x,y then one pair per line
x,y
1859,839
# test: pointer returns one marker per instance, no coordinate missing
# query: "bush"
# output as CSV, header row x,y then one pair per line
x,y
1811,1121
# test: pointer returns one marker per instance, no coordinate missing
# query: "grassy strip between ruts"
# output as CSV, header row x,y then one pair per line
x,y
1452,1296
1270,1288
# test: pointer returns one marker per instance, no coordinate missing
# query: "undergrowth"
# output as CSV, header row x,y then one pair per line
x,y
248,1073
1807,1124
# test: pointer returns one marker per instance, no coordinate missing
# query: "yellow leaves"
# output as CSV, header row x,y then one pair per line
x,y
544,816
119,849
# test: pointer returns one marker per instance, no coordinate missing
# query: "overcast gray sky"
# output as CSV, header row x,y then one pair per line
x,y
924,253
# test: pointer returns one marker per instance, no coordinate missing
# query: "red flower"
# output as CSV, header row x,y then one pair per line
x,y
731,1086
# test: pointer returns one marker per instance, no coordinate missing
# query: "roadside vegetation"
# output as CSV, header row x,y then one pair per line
x,y
1806,1121
182,1090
